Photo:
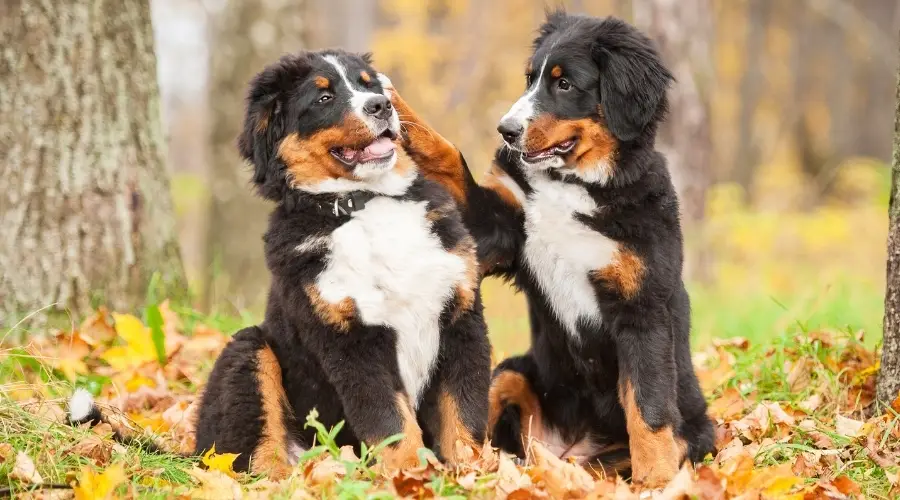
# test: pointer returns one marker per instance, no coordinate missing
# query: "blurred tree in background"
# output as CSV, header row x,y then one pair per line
x,y
85,203
889,377
245,35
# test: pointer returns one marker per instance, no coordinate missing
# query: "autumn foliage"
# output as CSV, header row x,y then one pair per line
x,y
794,420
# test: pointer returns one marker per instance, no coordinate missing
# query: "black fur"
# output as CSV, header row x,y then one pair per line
x,y
644,336
349,375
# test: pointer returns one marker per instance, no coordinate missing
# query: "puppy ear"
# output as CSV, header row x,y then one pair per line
x,y
633,81
367,58
265,122
257,141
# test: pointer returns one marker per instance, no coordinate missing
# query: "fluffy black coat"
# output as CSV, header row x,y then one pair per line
x,y
346,356
579,212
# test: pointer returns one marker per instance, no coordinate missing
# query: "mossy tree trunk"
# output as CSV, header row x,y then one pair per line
x,y
246,35
889,377
85,205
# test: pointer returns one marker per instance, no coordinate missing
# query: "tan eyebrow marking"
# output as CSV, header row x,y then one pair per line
x,y
365,76
556,72
322,82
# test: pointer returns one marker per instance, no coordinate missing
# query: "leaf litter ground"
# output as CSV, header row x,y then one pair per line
x,y
794,419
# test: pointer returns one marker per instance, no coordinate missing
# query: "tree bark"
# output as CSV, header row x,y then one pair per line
x,y
682,29
246,36
84,193
888,387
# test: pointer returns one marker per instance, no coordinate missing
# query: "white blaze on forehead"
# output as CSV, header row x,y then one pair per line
x,y
358,98
523,109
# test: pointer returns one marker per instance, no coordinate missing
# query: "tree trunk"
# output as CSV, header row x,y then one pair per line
x,y
246,36
682,29
84,193
889,377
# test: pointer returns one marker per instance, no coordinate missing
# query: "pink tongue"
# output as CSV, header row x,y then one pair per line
x,y
381,147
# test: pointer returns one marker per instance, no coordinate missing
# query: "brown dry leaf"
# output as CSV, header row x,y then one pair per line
x,y
846,486
562,479
737,342
467,481
734,449
510,478
877,455
811,403
681,486
6,452
325,471
710,380
95,448
730,404
766,416
848,426
25,471
411,485
737,474
806,465
709,485
799,374
214,484
98,329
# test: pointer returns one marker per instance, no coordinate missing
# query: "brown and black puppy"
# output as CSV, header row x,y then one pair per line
x,y
579,211
374,315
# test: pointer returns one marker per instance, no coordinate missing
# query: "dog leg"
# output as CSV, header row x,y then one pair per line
x,y
648,393
462,381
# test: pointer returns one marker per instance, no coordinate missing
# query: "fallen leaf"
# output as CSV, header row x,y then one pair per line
x,y
848,426
562,479
92,485
138,348
25,471
222,462
214,484
511,479
728,405
94,448
810,404
846,485
325,471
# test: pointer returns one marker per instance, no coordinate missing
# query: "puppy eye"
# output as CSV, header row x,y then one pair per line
x,y
563,84
324,98
527,80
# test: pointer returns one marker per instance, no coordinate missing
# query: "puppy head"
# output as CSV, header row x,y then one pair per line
x,y
319,122
591,86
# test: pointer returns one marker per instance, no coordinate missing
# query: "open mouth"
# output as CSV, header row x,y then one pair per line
x,y
559,149
379,150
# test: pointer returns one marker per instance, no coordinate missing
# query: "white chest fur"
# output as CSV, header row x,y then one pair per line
x,y
561,252
387,260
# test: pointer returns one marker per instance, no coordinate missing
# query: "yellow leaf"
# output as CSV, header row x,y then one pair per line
x,y
222,462
139,348
781,485
94,486
137,381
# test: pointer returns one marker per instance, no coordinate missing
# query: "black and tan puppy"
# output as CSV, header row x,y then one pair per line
x,y
580,213
374,315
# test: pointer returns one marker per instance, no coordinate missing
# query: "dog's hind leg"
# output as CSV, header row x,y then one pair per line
x,y
244,409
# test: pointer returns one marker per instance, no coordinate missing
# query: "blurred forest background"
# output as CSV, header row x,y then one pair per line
x,y
779,136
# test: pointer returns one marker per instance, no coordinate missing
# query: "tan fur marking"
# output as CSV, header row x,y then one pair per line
x,y
656,456
492,181
364,75
271,456
452,429
308,161
465,289
596,147
262,122
556,72
511,388
404,455
337,315
438,159
625,273
322,82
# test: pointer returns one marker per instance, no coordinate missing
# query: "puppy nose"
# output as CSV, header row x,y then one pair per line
x,y
511,130
378,106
